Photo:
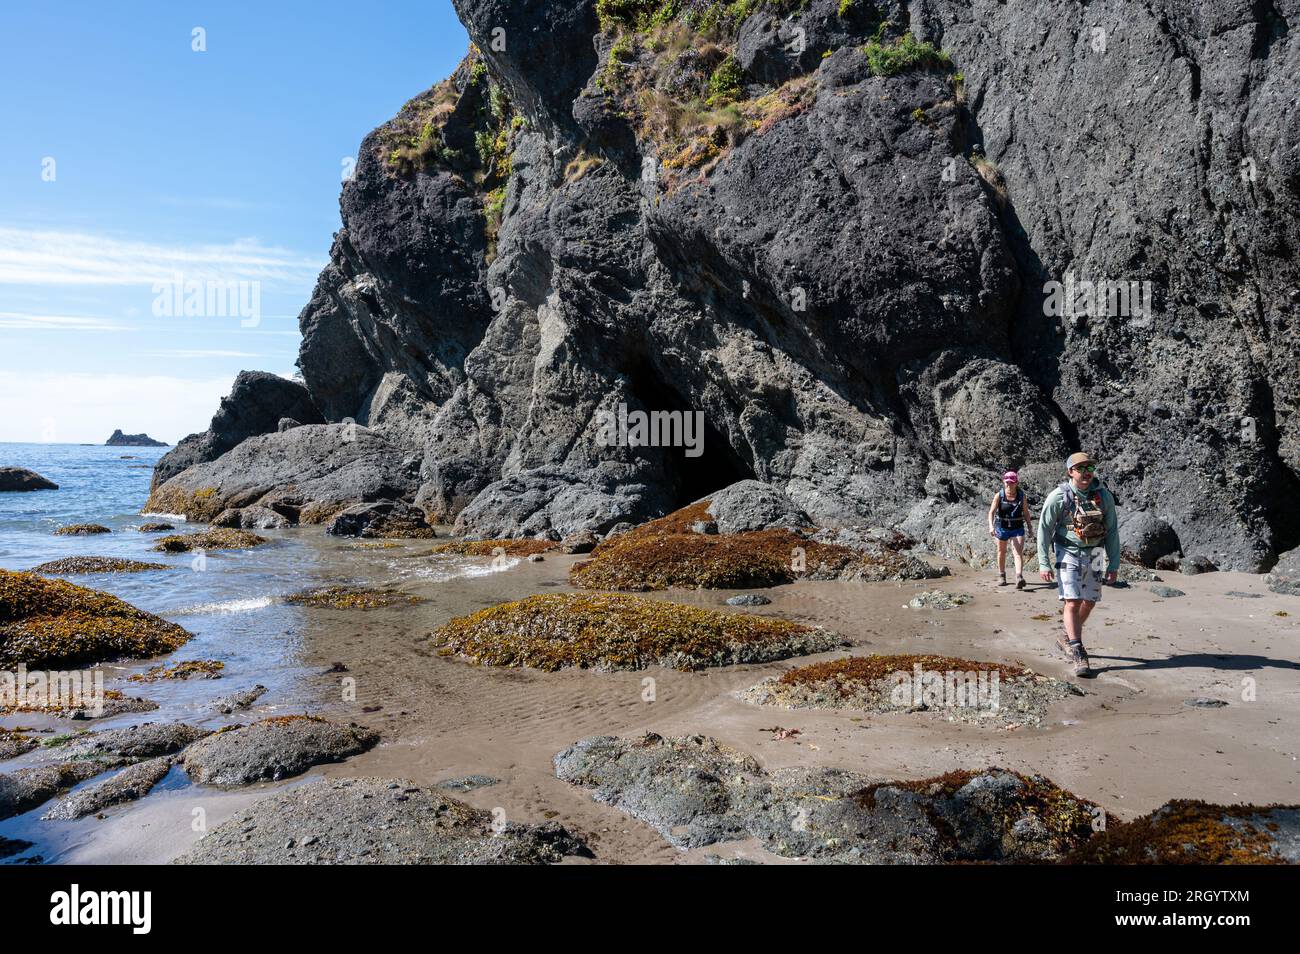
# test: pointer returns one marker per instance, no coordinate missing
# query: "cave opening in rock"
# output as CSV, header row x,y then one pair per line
x,y
691,477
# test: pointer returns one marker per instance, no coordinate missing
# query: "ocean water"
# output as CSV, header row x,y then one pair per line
x,y
231,601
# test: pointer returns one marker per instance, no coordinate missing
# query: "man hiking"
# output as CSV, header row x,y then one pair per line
x,y
1078,517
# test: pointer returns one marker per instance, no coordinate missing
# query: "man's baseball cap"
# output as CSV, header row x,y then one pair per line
x,y
1077,459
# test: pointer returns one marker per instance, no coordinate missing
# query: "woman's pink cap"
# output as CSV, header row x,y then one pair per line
x,y
1012,476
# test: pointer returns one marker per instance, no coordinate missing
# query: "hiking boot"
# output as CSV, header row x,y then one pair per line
x,y
1082,667
1003,578
1020,582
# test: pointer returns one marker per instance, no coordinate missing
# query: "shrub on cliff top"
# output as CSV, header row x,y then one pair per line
x,y
555,631
55,623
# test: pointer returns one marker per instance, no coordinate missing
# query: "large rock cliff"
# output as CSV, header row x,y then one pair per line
x,y
829,227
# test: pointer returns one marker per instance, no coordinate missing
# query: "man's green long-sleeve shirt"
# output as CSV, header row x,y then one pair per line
x,y
1055,526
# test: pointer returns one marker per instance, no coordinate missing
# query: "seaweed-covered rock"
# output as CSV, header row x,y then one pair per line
x,y
669,552
696,791
71,566
81,530
353,597
133,782
960,690
555,631
218,538
22,479
272,749
184,670
377,821
26,788
156,527
56,623
1196,833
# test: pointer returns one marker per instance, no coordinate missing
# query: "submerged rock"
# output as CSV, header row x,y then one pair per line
x,y
156,527
133,782
485,548
273,749
748,599
555,631
22,479
377,821
52,623
696,791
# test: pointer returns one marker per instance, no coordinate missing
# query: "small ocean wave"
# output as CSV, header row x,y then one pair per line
x,y
179,517
441,570
224,606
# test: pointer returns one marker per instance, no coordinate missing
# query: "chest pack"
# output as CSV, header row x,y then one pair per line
x,y
1087,517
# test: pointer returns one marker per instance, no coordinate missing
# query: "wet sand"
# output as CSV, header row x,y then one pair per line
x,y
1130,744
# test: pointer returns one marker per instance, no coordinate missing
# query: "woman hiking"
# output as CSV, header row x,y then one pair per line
x,y
1008,518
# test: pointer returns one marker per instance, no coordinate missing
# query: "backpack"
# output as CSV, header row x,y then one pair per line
x,y
1087,516
1015,519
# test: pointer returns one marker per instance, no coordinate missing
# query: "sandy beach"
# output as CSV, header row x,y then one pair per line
x,y
1131,743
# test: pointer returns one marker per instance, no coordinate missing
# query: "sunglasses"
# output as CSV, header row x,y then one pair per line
x,y
1086,468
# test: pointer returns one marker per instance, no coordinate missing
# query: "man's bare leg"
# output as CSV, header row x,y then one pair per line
x,y
1076,614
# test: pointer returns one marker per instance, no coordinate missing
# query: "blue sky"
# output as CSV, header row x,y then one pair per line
x,y
131,162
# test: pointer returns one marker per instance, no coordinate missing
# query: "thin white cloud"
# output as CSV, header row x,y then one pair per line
x,y
48,257
23,321
73,407
201,353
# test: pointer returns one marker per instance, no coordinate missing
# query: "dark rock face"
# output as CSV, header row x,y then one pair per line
x,y
854,299
19,478
118,439
384,519
255,405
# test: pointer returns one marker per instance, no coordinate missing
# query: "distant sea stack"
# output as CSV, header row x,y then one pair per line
x,y
19,478
132,440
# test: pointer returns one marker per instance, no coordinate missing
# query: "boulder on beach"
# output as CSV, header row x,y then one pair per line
x,y
49,623
385,518
118,439
697,791
255,405
608,631
275,748
671,552
26,788
378,821
307,475
250,518
131,743
22,479
132,783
